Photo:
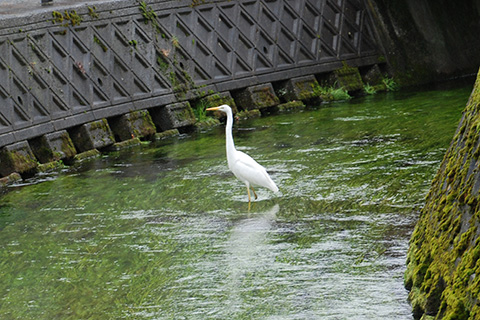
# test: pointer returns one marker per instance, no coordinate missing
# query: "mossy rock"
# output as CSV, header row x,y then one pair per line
x,y
348,78
136,124
53,147
247,114
173,116
93,153
92,135
215,100
301,88
166,134
10,179
51,166
207,123
291,106
130,143
17,157
256,97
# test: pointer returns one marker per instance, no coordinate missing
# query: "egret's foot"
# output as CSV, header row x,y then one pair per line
x,y
254,193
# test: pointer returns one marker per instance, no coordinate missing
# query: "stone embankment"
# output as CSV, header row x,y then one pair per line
x,y
81,77
443,273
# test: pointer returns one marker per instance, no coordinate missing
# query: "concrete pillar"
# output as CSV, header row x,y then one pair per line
x,y
137,124
256,97
215,100
299,89
17,157
173,116
348,78
92,135
53,147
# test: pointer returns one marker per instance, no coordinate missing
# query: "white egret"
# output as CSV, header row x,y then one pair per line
x,y
241,164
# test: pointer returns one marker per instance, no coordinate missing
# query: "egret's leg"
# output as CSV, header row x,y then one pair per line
x,y
248,191
254,192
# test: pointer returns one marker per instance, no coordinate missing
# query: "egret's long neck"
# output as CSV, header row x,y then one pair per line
x,y
229,137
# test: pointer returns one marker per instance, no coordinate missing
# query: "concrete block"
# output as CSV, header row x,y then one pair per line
x,y
53,147
17,157
137,124
215,100
372,75
92,135
299,89
348,78
256,97
173,116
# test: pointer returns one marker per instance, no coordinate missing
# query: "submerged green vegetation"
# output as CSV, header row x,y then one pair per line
x,y
163,230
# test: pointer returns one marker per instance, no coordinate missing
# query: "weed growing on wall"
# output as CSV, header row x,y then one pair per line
x,y
368,89
390,84
331,93
68,17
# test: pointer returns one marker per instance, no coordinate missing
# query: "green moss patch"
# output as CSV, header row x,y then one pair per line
x,y
443,258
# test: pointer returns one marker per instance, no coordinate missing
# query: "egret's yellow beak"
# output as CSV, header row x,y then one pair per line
x,y
213,109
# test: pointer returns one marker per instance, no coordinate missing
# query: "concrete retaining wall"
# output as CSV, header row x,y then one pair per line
x,y
63,67
443,273
429,40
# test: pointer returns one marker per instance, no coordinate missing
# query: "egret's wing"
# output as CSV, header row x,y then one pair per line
x,y
246,168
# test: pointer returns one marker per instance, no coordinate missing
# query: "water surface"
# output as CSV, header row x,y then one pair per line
x,y
163,231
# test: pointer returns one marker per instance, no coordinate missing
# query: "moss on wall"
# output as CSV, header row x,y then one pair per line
x,y
443,272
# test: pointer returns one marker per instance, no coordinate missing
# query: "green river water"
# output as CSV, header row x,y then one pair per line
x,y
163,231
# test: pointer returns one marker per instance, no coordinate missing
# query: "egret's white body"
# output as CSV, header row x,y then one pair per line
x,y
241,164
